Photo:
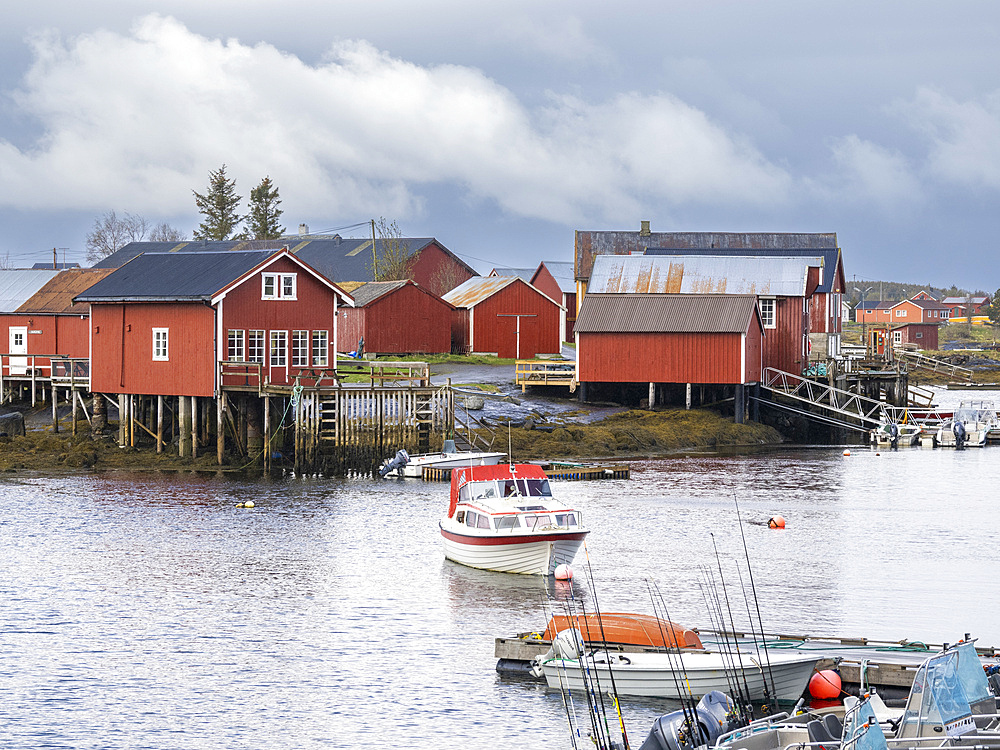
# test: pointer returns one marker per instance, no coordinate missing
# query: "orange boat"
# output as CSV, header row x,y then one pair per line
x,y
625,628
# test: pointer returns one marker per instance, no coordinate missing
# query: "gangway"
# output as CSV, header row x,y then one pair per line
x,y
824,403
932,364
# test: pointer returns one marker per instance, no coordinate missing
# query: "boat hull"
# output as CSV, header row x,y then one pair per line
x,y
524,555
415,468
652,675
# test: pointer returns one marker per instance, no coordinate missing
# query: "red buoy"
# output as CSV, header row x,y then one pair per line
x,y
825,684
776,522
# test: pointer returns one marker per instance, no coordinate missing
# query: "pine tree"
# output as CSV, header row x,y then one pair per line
x,y
263,219
220,206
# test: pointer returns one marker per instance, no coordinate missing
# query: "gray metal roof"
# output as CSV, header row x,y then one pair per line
x,y
832,258
521,273
152,277
562,272
18,286
701,274
373,290
337,258
975,299
666,313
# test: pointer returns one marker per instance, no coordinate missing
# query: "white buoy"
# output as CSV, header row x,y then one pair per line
x,y
564,572
847,453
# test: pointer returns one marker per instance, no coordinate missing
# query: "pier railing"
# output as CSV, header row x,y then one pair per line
x,y
932,364
824,402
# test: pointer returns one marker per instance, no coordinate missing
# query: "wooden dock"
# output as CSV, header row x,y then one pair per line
x,y
561,472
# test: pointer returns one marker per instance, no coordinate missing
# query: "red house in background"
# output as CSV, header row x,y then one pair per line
x,y
395,317
161,323
555,279
47,322
506,316
959,305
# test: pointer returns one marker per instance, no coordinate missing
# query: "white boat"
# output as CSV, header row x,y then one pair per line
x,y
405,465
969,426
892,435
504,518
669,675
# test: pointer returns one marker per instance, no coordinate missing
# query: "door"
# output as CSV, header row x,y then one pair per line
x,y
18,344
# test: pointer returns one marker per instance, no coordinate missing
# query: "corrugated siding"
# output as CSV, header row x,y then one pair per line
x,y
784,345
65,335
661,358
351,328
408,321
640,313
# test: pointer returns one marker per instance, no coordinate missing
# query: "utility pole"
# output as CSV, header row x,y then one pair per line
x,y
374,253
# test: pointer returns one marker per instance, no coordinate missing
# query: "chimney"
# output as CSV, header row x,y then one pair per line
x,y
644,230
303,229
337,238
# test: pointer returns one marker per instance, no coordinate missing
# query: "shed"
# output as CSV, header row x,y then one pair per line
x,y
395,317
669,338
506,316
921,335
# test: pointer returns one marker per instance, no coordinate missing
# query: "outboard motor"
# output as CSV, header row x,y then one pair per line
x,y
713,718
959,429
893,430
568,644
401,459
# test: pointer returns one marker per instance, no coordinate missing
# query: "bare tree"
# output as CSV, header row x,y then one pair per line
x,y
163,232
445,279
391,259
112,232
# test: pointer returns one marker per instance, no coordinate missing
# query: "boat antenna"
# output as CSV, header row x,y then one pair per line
x,y
753,590
600,623
510,447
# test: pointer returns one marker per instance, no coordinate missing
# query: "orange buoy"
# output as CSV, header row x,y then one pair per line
x,y
825,684
776,522
847,453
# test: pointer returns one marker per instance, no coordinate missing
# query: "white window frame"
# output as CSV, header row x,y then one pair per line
x,y
320,348
300,348
773,304
236,345
278,286
900,313
278,348
259,338
161,344
897,337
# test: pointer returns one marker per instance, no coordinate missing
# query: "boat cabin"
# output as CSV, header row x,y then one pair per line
x,y
507,498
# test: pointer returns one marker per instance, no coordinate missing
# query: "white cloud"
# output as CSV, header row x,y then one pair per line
x,y
873,175
964,136
136,122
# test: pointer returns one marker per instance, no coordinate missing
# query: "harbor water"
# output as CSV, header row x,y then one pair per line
x,y
147,611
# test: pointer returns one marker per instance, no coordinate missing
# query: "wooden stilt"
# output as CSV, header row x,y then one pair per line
x,y
267,433
55,405
76,412
159,424
220,427
194,427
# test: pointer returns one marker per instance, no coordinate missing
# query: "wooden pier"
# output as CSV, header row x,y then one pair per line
x,y
561,472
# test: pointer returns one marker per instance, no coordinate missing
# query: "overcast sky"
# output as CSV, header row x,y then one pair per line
x,y
500,128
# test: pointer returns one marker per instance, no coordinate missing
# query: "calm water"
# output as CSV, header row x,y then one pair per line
x,y
146,611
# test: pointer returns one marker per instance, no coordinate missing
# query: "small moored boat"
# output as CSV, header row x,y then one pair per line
x,y
405,465
504,518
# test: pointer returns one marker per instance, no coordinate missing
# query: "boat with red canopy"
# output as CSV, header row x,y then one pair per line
x,y
504,518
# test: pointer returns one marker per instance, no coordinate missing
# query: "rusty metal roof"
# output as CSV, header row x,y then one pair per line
x,y
56,295
701,274
473,291
17,286
666,313
590,244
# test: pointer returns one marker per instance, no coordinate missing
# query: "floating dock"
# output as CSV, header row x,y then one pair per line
x,y
889,666
555,471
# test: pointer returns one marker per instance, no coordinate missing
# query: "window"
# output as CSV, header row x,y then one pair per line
x,y
277,286
255,347
300,348
767,312
897,337
160,344
279,348
236,351
919,335
320,348
507,523
900,313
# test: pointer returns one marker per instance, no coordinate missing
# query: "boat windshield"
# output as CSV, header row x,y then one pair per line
x,y
937,698
857,716
525,488
477,491
971,674
868,737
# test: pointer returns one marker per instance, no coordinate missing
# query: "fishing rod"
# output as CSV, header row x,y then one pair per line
x,y
600,623
761,663
753,589
595,726
564,692
730,647
732,620
686,705
688,702
728,667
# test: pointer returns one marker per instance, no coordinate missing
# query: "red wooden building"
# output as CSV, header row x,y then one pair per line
x,y
783,286
506,316
959,306
395,317
921,335
906,311
161,323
